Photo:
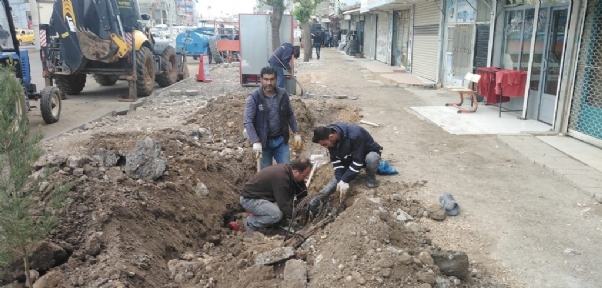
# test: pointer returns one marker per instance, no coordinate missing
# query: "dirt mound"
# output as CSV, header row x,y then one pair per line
x,y
119,231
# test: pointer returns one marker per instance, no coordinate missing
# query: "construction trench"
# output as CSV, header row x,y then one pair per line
x,y
153,200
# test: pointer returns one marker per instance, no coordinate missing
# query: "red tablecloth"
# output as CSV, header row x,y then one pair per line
x,y
486,86
510,83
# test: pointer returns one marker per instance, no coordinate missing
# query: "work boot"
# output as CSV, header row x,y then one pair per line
x,y
371,181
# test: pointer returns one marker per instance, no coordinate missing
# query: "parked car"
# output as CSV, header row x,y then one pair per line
x,y
25,36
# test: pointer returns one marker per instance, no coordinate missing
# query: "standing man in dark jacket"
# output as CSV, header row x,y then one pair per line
x,y
317,42
268,115
351,148
281,60
279,183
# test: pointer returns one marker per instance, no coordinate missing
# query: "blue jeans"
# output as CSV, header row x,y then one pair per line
x,y
265,213
279,76
277,149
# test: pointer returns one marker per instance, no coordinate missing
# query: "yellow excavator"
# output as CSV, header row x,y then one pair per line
x,y
107,39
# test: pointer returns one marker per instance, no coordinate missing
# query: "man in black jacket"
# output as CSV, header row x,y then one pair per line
x,y
279,183
351,148
281,61
267,117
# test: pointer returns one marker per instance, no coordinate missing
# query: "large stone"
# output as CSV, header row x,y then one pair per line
x,y
295,274
274,256
436,212
51,279
145,161
74,162
105,157
452,263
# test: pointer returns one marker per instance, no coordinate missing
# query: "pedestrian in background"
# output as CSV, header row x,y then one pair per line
x,y
317,37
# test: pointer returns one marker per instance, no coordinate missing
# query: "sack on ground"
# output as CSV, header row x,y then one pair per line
x,y
386,169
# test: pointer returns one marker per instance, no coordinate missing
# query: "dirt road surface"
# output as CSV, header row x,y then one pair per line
x,y
518,218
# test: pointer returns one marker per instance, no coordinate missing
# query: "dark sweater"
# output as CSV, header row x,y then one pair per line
x,y
275,184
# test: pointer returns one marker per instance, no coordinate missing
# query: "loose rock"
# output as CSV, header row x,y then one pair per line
x,y
436,212
145,161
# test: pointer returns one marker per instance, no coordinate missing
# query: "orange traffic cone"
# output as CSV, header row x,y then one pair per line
x,y
203,75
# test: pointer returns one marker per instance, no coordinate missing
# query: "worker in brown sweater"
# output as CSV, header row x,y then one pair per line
x,y
269,195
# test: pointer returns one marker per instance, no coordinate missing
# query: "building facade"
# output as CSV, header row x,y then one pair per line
x,y
21,12
557,42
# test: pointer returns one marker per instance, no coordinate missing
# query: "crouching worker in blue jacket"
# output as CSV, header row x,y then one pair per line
x,y
351,148
281,61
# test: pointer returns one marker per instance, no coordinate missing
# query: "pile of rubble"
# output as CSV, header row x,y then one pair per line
x,y
155,189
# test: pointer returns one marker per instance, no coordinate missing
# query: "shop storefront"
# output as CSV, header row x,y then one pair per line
x,y
585,113
427,44
370,35
402,24
467,35
537,44
382,37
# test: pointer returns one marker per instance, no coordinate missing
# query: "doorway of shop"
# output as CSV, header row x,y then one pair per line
x,y
547,63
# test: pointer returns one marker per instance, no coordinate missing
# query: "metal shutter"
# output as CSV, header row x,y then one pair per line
x,y
382,35
370,36
585,118
481,46
425,55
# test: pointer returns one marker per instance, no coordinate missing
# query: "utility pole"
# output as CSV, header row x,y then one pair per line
x,y
35,21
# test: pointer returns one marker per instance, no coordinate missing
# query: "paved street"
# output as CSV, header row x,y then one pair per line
x,y
91,104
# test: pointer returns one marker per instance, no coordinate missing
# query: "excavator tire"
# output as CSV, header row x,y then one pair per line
x,y
106,80
213,51
71,84
169,68
145,70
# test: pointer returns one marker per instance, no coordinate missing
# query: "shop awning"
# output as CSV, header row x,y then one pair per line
x,y
352,11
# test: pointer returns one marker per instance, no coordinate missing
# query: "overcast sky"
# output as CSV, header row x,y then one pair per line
x,y
229,7
225,7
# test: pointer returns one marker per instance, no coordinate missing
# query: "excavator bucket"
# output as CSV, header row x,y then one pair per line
x,y
96,48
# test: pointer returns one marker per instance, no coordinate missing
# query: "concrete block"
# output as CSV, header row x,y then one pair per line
x,y
274,256
192,92
175,92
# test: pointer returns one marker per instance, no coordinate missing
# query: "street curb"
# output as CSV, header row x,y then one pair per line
x,y
122,111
